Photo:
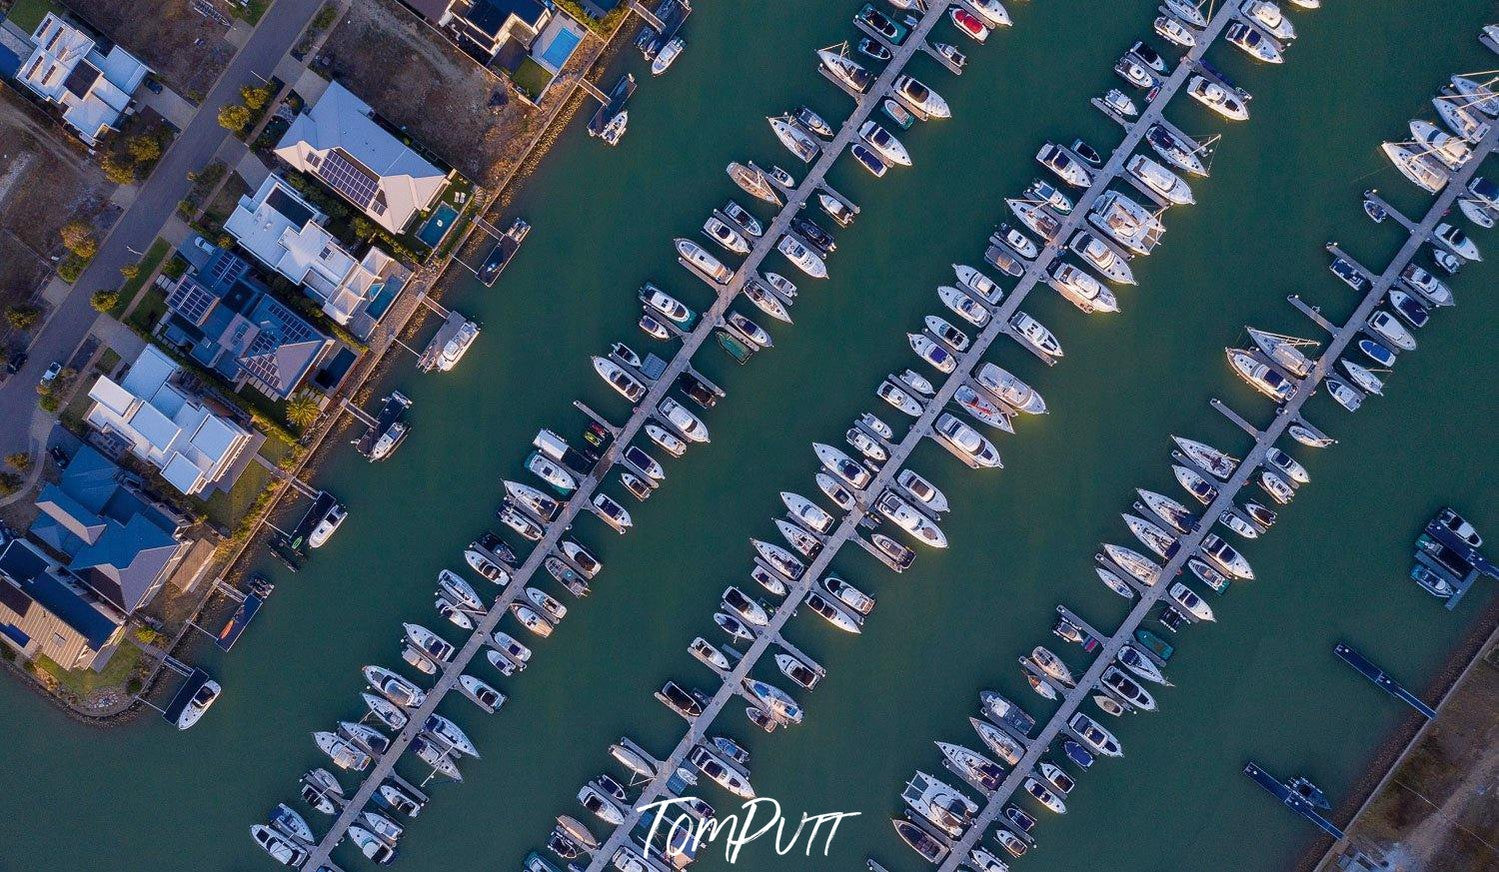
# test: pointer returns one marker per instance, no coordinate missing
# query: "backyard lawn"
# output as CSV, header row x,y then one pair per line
x,y
83,682
227,508
27,14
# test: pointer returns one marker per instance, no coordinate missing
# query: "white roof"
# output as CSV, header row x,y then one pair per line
x,y
92,97
405,183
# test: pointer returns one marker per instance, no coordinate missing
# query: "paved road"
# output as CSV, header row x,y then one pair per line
x,y
157,201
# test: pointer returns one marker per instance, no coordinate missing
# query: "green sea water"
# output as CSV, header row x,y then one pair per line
x,y
1262,683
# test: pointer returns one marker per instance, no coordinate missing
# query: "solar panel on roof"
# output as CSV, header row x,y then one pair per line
x,y
348,179
191,300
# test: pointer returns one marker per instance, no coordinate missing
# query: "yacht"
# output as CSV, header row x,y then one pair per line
x,y
753,182
1172,187
1417,165
1144,570
967,442
667,56
645,463
779,558
742,218
921,97
768,579
1260,375
1010,389
831,613
1255,43
1184,154
1035,335
898,398
669,442
1268,16
327,526
802,257
1156,539
1278,488
841,465
846,70
1081,289
1127,222
982,409
1114,582
1116,680
551,472
1284,351
720,773
922,491
1226,557
1108,261
683,421
320,790
1218,98
1043,794
885,144
974,767
1476,211
1193,604
963,305
343,753
1449,149
868,158
1094,736
456,346
849,595
808,512
706,263
486,567
206,695
766,301
781,285
394,687
1194,484
1261,515
1134,71
281,848
1187,11
950,336
1065,164
1387,327
730,239
736,628
796,138
835,209
1212,460
1173,31
1168,510
903,515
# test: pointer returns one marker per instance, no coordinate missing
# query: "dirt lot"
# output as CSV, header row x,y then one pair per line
x,y
466,115
43,185
186,49
1440,811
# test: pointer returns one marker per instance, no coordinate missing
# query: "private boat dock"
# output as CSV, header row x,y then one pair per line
x,y
1381,679
1339,339
1294,801
581,499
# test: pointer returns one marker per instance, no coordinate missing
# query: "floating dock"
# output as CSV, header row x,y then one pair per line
x,y
449,345
1365,667
506,244
619,95
1294,801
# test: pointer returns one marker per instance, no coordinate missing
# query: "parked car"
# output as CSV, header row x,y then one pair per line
x,y
51,374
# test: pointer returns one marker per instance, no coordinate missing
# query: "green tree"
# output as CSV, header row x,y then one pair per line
x,y
234,118
302,409
119,170
255,98
104,301
363,227
23,316
143,148
78,237
130,270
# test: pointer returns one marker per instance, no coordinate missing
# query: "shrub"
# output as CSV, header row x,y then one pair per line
x,y
117,170
78,237
143,148
20,460
234,118
71,268
255,98
9,483
104,301
130,270
23,316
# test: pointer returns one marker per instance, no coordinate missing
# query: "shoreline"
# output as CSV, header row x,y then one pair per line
x,y
371,370
1387,756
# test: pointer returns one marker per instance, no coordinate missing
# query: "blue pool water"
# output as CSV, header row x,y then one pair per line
x,y
383,298
561,49
438,225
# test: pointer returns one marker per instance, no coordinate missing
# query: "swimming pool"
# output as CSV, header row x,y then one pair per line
x,y
556,54
437,225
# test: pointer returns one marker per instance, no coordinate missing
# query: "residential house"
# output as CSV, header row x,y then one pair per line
x,y
338,141
44,611
196,450
224,317
93,88
484,28
286,233
118,543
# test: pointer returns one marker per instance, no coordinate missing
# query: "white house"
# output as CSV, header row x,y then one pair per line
x,y
338,141
67,69
194,449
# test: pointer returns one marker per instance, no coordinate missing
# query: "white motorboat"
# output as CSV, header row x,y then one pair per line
x,y
802,257
546,604
1139,663
698,257
779,558
587,564
766,301
551,472
849,595
963,305
1260,375
1193,604
1226,557
845,69
459,591
1172,187
1037,217
1065,164
683,421
327,526
1121,103
831,613
736,602
1126,222
1052,665
1045,192
1453,237
974,767
841,465
730,239
992,12
775,700
1476,211
866,444
280,848
720,773
922,491
1389,328
532,500
885,144
800,539
950,336
394,687
916,382
969,23
1186,11
457,346
781,285
624,384
667,56
1173,31
1044,795
903,515
1431,288
966,442
1278,488
931,351
808,512
1116,680
385,711
1081,289
531,620
796,138
670,442
450,734
1108,261
742,218
1218,98
1094,736
1268,16
920,97
1182,153
1010,389
1036,335
1288,465
898,398
483,695
1255,43
1021,244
